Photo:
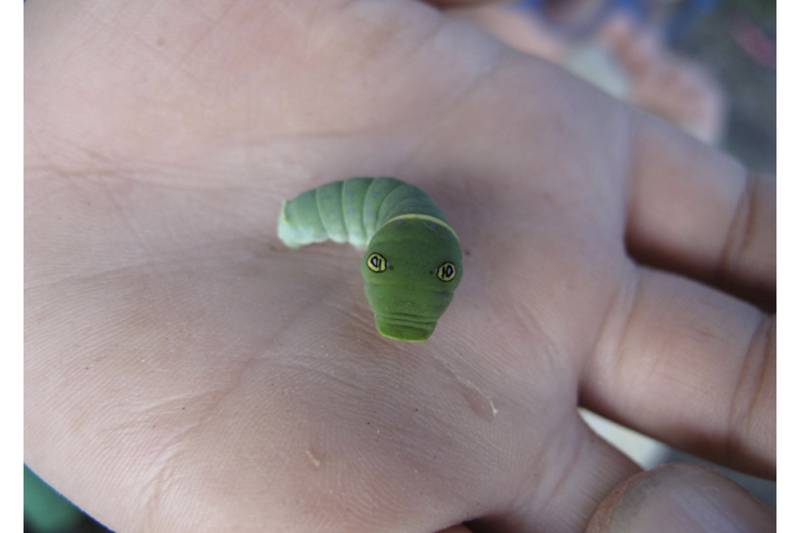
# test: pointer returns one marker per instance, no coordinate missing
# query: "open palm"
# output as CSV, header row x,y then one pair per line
x,y
178,354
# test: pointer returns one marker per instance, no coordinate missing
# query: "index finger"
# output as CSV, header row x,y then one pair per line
x,y
698,211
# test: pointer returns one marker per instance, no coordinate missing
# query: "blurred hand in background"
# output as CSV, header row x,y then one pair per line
x,y
617,49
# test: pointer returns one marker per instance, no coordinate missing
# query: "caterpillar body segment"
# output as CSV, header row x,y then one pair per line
x,y
350,211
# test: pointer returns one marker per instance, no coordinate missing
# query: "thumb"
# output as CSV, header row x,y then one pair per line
x,y
680,498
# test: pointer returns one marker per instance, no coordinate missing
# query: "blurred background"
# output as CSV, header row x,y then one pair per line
x,y
707,66
736,42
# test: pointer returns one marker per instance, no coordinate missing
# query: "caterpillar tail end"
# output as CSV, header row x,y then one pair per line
x,y
286,233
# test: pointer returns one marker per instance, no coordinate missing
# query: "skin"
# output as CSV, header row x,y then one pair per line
x,y
185,372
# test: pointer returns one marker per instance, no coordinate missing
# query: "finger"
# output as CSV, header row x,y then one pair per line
x,y
683,498
690,366
697,211
583,468
529,34
637,49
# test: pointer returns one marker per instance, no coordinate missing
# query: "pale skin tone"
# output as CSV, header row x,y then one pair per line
x,y
186,372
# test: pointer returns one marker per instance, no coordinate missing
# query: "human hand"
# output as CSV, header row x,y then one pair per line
x,y
664,83
185,372
645,72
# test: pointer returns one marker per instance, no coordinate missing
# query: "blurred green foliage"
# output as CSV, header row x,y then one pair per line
x,y
759,9
45,509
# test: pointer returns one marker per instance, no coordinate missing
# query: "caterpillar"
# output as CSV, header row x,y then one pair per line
x,y
412,257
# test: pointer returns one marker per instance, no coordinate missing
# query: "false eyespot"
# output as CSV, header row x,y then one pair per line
x,y
376,262
446,271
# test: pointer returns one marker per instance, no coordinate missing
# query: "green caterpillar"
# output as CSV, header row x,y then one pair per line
x,y
412,262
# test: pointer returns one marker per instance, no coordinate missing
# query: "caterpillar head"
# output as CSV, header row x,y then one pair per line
x,y
411,268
